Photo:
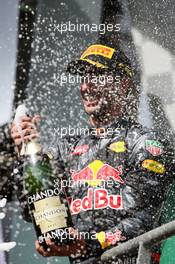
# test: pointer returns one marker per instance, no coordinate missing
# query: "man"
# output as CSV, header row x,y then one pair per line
x,y
127,169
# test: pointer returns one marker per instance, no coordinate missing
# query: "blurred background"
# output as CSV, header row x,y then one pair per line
x,y
33,57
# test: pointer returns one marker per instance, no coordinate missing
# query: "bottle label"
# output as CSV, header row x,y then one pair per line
x,y
50,214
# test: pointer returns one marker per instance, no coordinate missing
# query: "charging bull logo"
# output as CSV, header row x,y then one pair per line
x,y
94,174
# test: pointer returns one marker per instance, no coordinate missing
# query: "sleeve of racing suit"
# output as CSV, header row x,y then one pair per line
x,y
150,172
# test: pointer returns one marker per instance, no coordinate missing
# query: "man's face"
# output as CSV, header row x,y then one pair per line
x,y
102,95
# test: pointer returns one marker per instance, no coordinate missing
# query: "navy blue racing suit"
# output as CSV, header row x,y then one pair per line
x,y
116,181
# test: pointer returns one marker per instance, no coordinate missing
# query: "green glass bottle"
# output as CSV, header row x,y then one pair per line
x,y
47,203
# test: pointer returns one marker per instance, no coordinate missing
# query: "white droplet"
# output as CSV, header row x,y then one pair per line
x,y
2,215
3,202
7,246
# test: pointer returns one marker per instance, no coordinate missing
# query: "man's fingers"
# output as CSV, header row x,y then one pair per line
x,y
26,122
27,125
29,131
56,250
52,250
37,245
28,134
23,120
33,136
25,132
36,119
49,242
40,249
52,247
26,118
75,249
18,141
23,125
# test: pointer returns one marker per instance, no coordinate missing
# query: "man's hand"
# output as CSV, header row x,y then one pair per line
x,y
76,248
29,130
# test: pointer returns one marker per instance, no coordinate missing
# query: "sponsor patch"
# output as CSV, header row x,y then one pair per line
x,y
80,150
50,156
118,146
154,166
98,64
109,238
154,147
96,172
96,199
98,50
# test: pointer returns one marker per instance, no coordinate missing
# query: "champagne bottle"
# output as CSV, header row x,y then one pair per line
x,y
47,203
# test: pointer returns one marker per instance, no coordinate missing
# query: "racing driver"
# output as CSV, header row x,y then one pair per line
x,y
126,167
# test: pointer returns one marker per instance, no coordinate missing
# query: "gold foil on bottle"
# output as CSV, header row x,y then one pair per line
x,y
32,148
50,214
